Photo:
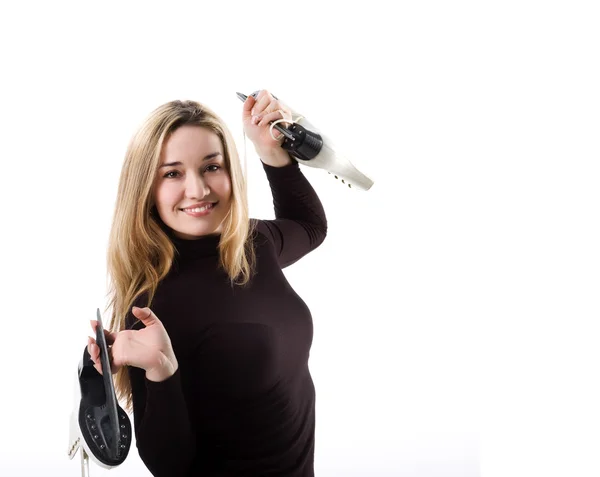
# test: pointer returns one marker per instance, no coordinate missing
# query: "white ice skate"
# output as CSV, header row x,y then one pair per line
x,y
313,149
99,427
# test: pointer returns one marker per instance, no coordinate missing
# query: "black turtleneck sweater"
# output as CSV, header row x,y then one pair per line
x,y
242,402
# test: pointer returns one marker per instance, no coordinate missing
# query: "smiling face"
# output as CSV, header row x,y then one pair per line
x,y
192,190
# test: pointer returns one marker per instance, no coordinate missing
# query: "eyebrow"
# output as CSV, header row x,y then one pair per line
x,y
178,163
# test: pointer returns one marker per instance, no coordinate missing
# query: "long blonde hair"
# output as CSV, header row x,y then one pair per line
x,y
140,253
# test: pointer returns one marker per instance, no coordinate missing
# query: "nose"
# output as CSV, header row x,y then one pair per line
x,y
196,187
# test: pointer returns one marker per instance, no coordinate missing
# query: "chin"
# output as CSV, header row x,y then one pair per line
x,y
185,231
193,233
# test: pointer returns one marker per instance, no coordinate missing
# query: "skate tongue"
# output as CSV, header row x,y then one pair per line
x,y
111,402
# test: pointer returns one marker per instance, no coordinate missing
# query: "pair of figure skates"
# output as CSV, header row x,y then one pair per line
x,y
100,429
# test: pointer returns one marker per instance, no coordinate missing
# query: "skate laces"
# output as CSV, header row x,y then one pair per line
x,y
283,120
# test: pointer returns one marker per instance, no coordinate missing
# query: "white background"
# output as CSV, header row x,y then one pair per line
x,y
455,303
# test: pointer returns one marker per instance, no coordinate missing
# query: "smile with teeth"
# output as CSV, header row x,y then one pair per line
x,y
199,209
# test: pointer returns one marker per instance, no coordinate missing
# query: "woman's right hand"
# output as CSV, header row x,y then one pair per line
x,y
149,348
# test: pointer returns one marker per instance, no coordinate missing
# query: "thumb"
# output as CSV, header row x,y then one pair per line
x,y
146,315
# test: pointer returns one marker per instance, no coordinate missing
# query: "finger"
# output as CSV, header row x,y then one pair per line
x,y
94,352
95,357
98,362
263,101
146,315
98,367
248,105
93,349
260,108
257,95
274,116
113,367
110,336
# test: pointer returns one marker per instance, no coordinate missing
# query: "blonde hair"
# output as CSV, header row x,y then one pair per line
x,y
140,253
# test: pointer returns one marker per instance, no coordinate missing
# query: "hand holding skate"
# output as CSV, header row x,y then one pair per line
x,y
257,114
149,348
303,141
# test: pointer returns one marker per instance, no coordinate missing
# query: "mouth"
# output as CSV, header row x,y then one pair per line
x,y
199,211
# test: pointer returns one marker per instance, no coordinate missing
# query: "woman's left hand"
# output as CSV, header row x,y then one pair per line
x,y
257,115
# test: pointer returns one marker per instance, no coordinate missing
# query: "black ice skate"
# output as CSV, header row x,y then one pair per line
x,y
99,426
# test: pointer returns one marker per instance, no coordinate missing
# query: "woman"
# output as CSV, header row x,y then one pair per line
x,y
211,344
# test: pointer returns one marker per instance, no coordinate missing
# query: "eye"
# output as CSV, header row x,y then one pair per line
x,y
169,176
214,166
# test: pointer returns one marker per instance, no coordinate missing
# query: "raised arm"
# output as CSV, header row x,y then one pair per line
x,y
300,225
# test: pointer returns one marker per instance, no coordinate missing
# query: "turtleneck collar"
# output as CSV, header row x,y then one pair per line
x,y
189,249
205,246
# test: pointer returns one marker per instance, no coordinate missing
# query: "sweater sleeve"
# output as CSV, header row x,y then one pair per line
x,y
164,436
300,225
